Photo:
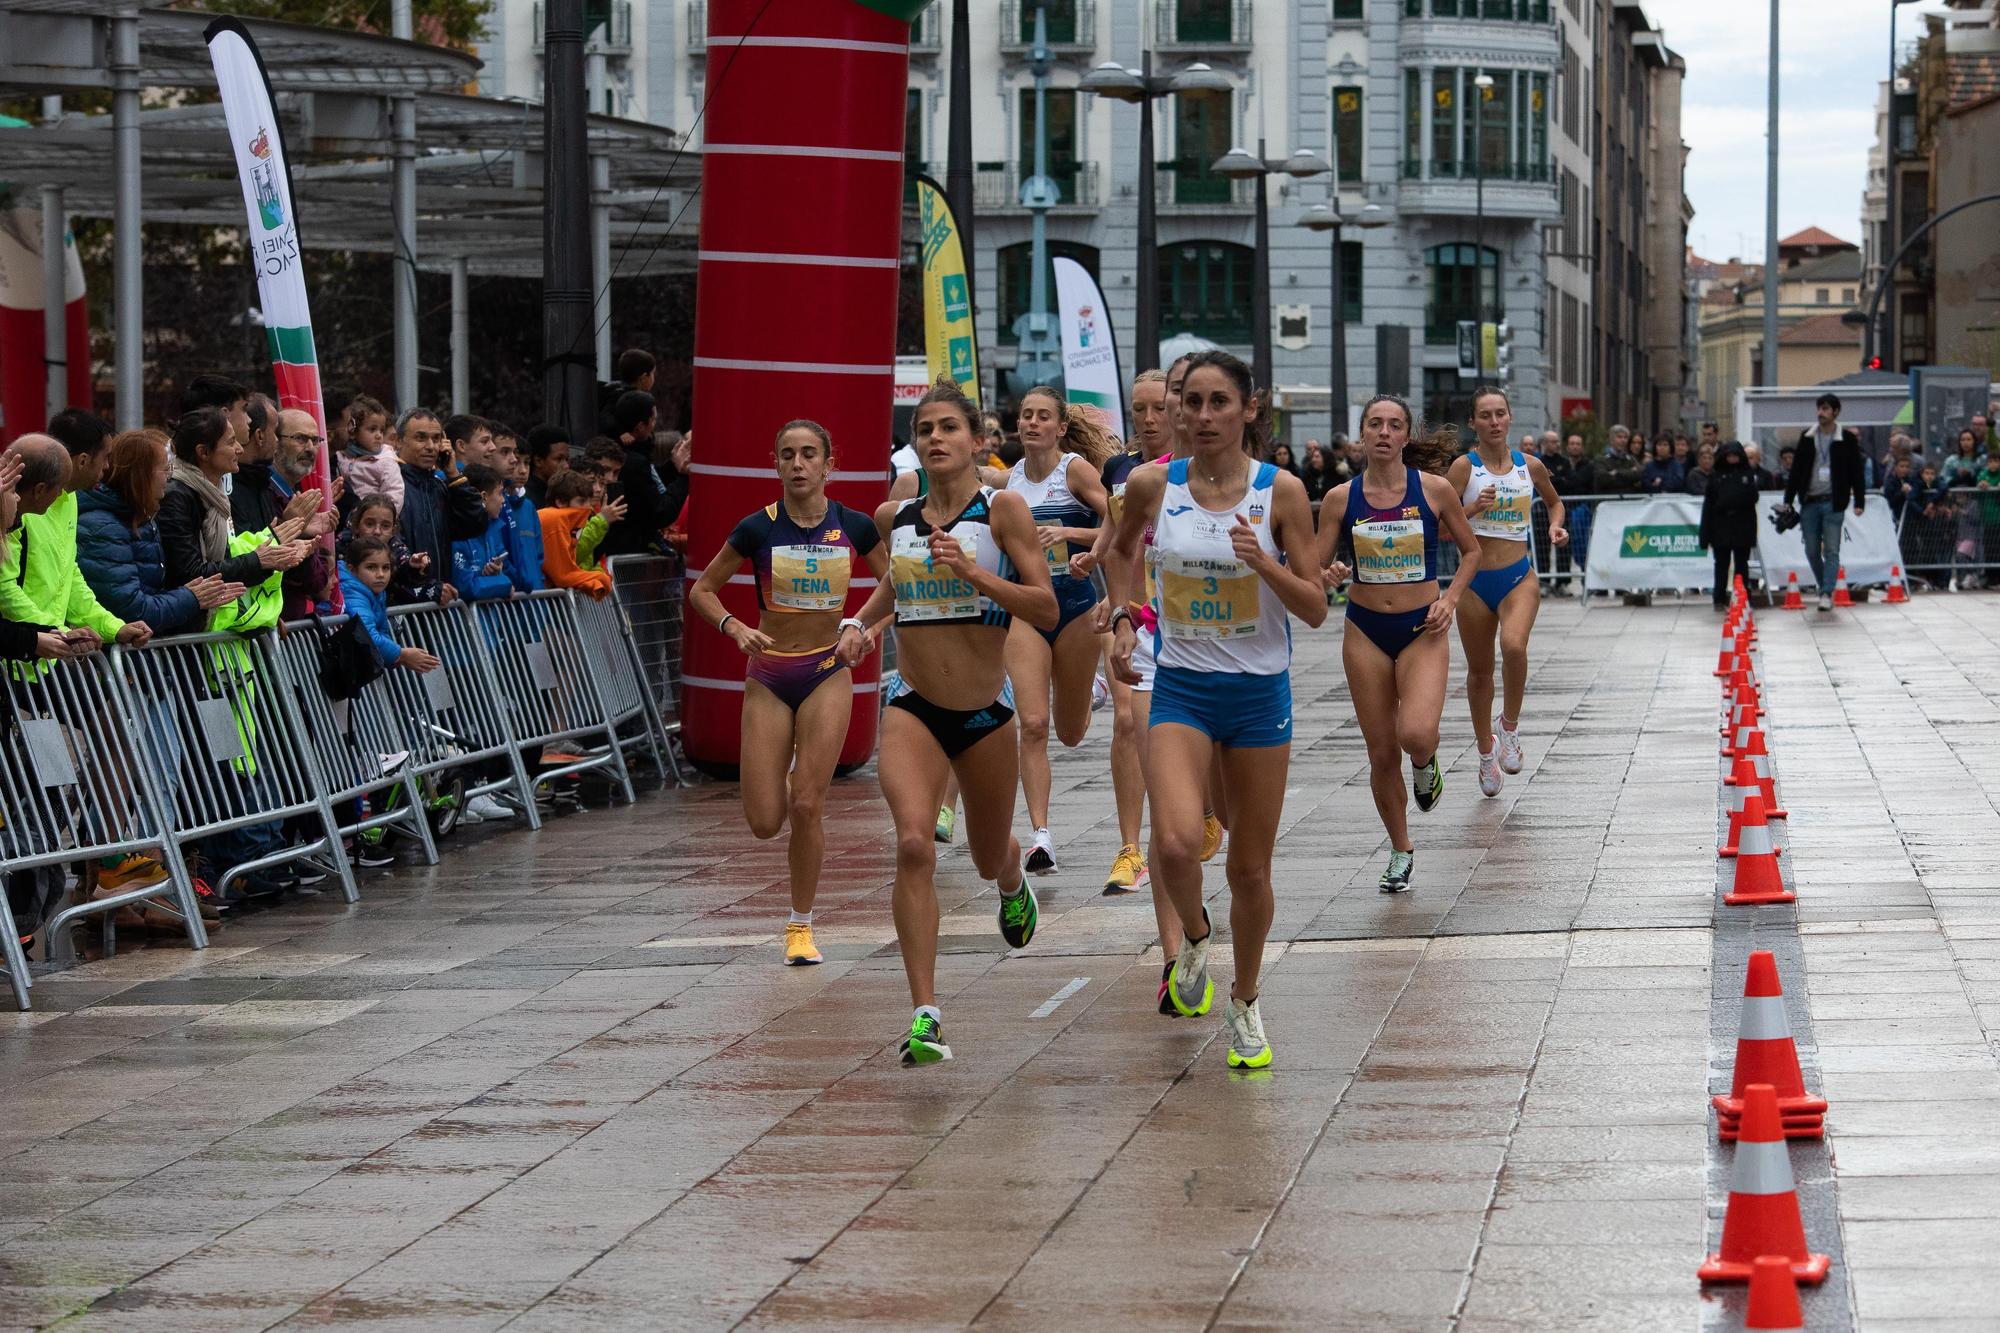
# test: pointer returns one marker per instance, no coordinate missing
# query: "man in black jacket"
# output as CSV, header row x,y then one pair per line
x,y
651,501
435,513
1825,477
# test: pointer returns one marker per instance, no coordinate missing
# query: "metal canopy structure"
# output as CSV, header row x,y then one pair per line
x,y
377,129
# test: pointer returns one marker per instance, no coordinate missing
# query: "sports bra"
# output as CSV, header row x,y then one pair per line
x,y
1215,613
803,569
1398,544
1508,517
1053,505
930,594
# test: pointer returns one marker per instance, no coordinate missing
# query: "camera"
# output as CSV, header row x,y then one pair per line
x,y
1784,518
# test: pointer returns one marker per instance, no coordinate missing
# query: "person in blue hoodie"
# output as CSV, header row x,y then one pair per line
x,y
366,567
479,564
523,523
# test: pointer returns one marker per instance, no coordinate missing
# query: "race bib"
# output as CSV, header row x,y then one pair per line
x,y
1058,555
809,578
1509,511
927,592
1389,551
1115,504
1202,598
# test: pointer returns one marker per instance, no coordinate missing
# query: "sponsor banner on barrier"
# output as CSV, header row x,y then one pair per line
x,y
1867,545
1647,545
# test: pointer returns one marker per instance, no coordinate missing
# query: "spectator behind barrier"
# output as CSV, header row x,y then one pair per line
x,y
651,501
337,403
523,529
376,517
226,396
21,640
1697,479
566,521
1662,476
365,570
1618,472
118,542
479,564
1729,517
299,443
436,511
253,473
369,464
196,539
39,581
548,454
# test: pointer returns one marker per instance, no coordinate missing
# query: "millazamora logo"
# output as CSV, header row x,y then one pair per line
x,y
1650,541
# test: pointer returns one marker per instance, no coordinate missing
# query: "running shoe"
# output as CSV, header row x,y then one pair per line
x,y
1510,750
925,1044
1427,780
1128,871
799,947
1166,1000
371,849
1489,773
134,871
1396,879
1019,915
1189,987
947,824
1211,836
1248,1048
485,807
1100,694
1041,854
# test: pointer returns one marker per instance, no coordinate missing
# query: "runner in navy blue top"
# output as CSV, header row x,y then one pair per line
x,y
798,696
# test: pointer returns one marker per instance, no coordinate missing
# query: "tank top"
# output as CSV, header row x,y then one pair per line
x,y
1054,506
1509,516
1215,613
803,569
929,594
1398,544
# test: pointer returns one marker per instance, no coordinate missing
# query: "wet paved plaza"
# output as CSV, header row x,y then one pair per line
x,y
562,1083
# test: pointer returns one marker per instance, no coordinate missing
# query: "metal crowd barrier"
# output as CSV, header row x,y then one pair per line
x,y
455,716
649,590
75,784
1951,539
357,744
232,745
626,699
548,677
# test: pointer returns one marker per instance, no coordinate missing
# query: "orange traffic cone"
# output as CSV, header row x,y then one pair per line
x,y
1774,1297
1744,719
1763,1216
1899,591
1840,597
1757,877
1760,768
1741,816
1793,601
1745,776
1742,705
1726,662
1765,1053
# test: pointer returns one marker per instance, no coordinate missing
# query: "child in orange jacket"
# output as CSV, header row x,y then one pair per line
x,y
564,521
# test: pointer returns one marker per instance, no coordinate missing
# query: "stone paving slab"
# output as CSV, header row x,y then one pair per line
x,y
558,1082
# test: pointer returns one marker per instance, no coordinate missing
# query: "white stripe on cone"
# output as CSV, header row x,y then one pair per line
x,y
1761,1168
1764,1018
1754,840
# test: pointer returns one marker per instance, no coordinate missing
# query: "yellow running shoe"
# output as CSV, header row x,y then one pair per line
x,y
799,947
134,872
1211,836
1128,871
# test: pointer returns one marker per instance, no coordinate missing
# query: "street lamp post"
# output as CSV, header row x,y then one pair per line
x,y
1238,164
1482,83
1143,87
1038,362
1328,217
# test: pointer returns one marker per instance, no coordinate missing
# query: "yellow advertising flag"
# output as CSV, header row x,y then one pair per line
x,y
949,346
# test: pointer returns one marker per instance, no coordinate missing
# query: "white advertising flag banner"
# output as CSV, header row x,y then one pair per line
x,y
1090,356
1867,546
1650,545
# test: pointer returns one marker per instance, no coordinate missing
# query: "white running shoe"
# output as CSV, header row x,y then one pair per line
x,y
1510,750
1489,772
1041,858
485,807
1248,1047
1100,694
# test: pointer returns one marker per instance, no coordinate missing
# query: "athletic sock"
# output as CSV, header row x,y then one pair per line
x,y
1014,892
1505,725
929,1011
1426,764
802,918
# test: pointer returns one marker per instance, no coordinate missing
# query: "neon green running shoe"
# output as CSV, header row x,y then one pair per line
x,y
1190,987
1427,782
1019,915
947,824
925,1044
1247,1047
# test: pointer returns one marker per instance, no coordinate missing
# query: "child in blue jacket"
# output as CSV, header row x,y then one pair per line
x,y
524,533
364,581
479,564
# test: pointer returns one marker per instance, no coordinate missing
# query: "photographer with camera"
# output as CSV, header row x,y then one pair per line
x,y
1825,478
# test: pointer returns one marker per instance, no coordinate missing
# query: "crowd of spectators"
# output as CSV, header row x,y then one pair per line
x,y
218,524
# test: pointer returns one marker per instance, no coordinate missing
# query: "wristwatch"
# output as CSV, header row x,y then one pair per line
x,y
854,623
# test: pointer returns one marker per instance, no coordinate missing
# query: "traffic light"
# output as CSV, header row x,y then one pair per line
x,y
1503,352
1874,363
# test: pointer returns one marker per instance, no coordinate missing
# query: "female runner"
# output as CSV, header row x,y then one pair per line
x,y
964,560
1497,489
1387,521
1152,437
1062,450
798,695
1228,535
